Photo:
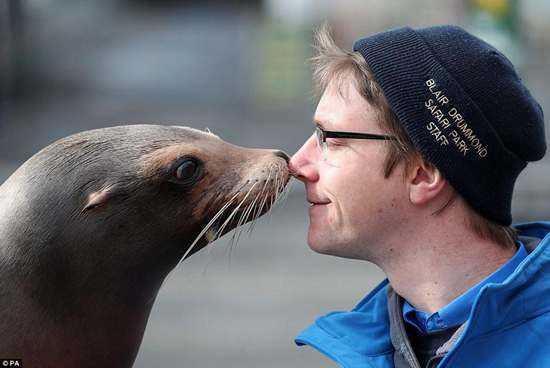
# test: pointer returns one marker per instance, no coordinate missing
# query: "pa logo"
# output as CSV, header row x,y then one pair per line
x,y
11,363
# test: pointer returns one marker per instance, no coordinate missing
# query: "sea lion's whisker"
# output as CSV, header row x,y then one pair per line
x,y
272,195
234,237
256,213
221,228
286,193
285,190
269,196
241,219
248,209
253,216
280,198
246,215
251,208
279,188
205,229
215,200
258,210
234,211
283,193
275,196
237,230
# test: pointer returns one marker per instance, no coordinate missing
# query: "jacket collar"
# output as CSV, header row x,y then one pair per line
x,y
359,337
362,335
524,294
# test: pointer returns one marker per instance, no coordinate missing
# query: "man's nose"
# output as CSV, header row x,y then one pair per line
x,y
302,163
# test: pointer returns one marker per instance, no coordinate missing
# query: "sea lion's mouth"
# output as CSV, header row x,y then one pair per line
x,y
247,210
247,205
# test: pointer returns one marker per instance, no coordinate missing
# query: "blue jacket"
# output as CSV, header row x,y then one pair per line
x,y
507,326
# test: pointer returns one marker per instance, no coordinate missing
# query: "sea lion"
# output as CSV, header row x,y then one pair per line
x,y
91,225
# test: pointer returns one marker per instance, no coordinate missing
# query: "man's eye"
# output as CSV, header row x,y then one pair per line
x,y
333,142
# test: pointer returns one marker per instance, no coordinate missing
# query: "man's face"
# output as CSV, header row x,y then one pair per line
x,y
353,207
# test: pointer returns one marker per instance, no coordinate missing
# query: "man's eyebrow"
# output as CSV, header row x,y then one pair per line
x,y
319,123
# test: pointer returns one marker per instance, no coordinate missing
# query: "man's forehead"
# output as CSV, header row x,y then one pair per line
x,y
335,112
331,109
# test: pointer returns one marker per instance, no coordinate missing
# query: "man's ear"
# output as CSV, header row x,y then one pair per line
x,y
425,183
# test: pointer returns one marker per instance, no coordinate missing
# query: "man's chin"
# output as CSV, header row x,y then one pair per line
x,y
320,249
322,244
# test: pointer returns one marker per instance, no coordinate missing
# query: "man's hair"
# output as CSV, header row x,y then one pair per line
x,y
331,64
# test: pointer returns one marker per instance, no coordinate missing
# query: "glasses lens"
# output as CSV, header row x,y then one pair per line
x,y
321,144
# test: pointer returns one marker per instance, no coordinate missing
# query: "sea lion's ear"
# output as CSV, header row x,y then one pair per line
x,y
98,198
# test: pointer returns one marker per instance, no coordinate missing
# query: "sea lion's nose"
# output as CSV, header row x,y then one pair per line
x,y
283,155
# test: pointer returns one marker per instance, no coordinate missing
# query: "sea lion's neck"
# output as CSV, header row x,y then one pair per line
x,y
92,332
68,308
68,312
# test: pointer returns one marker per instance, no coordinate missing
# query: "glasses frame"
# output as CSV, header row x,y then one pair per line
x,y
322,135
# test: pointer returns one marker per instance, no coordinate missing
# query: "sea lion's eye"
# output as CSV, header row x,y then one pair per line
x,y
186,170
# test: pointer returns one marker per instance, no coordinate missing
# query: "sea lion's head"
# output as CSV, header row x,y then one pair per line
x,y
115,209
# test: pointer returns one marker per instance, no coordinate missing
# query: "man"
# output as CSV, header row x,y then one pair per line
x,y
419,138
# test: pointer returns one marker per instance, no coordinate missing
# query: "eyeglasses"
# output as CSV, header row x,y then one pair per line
x,y
322,136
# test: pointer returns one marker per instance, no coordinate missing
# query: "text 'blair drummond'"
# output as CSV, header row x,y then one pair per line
x,y
448,126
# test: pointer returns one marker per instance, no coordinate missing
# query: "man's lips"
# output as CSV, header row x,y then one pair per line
x,y
316,202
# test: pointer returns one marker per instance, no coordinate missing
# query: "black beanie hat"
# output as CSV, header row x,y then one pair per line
x,y
464,108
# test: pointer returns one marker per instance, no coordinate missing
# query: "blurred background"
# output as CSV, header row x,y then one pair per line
x,y
238,68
